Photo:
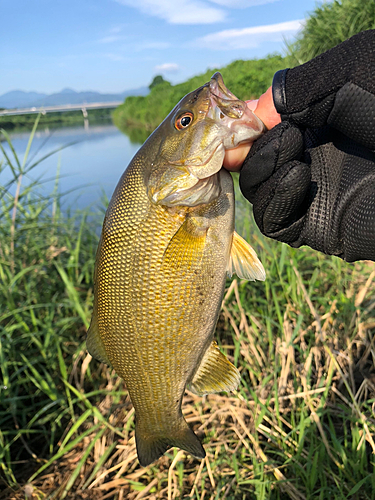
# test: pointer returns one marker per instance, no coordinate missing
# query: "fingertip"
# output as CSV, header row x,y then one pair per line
x,y
234,158
266,110
252,104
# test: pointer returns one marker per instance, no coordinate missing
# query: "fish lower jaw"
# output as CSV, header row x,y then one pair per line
x,y
211,166
203,192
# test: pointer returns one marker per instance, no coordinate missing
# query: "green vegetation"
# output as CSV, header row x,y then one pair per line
x,y
67,118
246,79
301,425
330,24
158,79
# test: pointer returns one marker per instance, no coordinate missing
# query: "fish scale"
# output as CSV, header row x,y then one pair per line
x,y
167,242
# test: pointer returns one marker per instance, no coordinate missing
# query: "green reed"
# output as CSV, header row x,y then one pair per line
x,y
301,425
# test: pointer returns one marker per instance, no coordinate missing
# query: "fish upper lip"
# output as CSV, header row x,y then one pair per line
x,y
219,90
223,98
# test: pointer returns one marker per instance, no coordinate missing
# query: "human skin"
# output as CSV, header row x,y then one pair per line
x,y
264,108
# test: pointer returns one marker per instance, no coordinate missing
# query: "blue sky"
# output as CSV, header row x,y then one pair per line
x,y
115,45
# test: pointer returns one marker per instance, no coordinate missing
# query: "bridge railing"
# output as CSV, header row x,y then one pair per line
x,y
60,108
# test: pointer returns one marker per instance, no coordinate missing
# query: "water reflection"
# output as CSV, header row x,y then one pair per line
x,y
136,135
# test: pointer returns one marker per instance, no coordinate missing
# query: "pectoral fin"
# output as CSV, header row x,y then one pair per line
x,y
94,342
244,261
215,373
185,249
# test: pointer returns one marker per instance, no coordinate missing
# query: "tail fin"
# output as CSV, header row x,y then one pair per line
x,y
150,448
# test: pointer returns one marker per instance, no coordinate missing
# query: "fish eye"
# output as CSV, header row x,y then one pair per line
x,y
184,121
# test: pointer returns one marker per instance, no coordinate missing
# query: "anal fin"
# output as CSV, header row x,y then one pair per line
x,y
244,261
215,373
94,343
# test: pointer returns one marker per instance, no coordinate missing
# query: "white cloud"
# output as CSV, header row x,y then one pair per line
x,y
153,45
111,39
167,68
241,4
114,57
178,11
246,38
116,29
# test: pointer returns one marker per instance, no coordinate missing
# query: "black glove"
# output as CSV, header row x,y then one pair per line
x,y
311,178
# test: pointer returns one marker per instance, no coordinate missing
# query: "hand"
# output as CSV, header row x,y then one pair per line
x,y
311,178
265,110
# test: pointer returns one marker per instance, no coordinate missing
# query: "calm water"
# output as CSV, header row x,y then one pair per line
x,y
90,167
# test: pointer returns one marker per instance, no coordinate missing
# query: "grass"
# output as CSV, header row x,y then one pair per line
x,y
329,24
301,426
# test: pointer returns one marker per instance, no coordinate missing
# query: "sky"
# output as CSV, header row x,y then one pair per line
x,y
111,46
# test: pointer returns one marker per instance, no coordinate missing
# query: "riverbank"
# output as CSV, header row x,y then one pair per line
x,y
300,425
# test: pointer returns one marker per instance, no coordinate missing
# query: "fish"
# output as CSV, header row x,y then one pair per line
x,y
167,245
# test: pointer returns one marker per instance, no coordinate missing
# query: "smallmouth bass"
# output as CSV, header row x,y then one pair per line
x,y
167,243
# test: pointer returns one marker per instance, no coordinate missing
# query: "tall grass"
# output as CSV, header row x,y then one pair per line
x,y
328,25
301,425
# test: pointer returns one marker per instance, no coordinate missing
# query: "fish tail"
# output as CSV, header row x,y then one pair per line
x,y
150,448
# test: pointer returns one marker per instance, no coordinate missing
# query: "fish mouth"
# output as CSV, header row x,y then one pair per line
x,y
231,121
236,124
218,88
234,114
224,100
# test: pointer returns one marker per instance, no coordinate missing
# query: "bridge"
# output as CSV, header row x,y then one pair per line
x,y
61,108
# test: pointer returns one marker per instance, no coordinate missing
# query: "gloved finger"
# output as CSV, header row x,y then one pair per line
x,y
279,145
330,88
281,203
353,114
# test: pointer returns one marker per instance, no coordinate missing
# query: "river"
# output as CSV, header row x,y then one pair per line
x,y
87,169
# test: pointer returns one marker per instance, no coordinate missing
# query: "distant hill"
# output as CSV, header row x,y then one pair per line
x,y
21,99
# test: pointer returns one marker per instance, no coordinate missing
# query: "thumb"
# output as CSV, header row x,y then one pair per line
x,y
265,110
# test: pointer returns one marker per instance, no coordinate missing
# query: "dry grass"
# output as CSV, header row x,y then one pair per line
x,y
251,437
301,425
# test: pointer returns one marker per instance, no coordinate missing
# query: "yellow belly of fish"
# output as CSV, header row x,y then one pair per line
x,y
156,321
160,277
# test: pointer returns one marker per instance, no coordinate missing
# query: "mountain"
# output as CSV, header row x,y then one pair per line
x,y
20,99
